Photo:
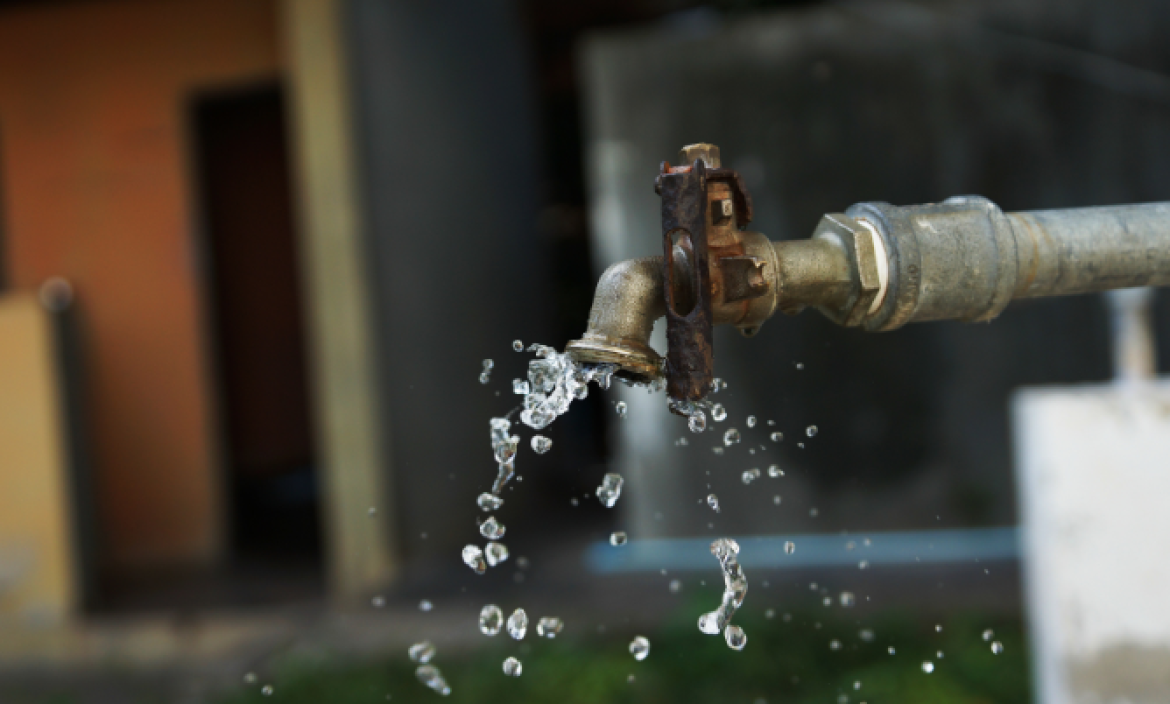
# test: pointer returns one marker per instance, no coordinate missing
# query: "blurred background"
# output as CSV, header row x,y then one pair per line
x,y
253,254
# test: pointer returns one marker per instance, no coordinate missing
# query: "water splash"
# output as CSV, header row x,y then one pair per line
x,y
735,587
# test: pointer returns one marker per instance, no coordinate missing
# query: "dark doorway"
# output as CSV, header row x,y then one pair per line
x,y
257,328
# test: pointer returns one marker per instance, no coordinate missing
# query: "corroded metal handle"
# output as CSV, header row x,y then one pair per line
x,y
689,335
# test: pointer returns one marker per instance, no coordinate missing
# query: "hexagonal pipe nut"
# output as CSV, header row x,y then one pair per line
x,y
858,245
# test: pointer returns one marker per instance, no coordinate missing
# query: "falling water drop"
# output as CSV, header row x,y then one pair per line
x,y
473,558
621,409
928,667
541,444
775,472
751,421
640,648
789,547
750,475
811,431
489,502
495,553
549,627
731,437
617,538
512,667
518,624
713,502
492,529
517,345
491,620
997,647
422,653
735,637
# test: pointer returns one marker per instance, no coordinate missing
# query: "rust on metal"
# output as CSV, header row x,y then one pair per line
x,y
689,333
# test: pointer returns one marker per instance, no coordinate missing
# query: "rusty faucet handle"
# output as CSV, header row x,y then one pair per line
x,y
689,329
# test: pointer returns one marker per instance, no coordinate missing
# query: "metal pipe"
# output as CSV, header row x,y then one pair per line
x,y
964,259
880,266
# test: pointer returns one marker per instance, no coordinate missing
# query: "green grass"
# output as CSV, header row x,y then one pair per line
x,y
783,662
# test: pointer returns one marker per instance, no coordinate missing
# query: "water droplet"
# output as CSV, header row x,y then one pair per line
x,y
473,558
488,364
639,647
713,502
492,529
735,637
800,365
267,690
521,387
495,553
378,601
769,613
621,409
988,634
939,654
731,437
866,635
834,644
890,650
250,678
718,385
711,623
697,422
997,647
489,502
776,499
675,586
751,421
541,444
938,628
518,624
617,538
789,547
928,667
431,677
512,667
485,377
549,627
610,489
827,601
774,471
857,685
425,605
750,475
491,620
863,565
421,652
517,345
847,599
811,431
718,413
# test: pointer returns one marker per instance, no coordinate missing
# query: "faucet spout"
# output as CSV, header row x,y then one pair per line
x,y
628,299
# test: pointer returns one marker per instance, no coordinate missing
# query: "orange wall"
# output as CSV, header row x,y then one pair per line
x,y
98,189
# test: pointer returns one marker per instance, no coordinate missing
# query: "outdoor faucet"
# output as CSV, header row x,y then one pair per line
x,y
876,266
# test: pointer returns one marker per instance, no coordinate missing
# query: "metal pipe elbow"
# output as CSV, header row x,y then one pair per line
x,y
627,301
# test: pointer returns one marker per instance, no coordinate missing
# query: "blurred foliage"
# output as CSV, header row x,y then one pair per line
x,y
785,661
